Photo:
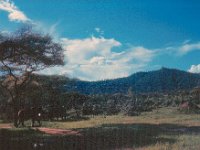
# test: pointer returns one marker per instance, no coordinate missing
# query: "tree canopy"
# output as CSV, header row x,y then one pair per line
x,y
21,54
28,51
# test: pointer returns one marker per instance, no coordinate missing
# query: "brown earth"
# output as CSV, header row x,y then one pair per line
x,y
51,131
5,126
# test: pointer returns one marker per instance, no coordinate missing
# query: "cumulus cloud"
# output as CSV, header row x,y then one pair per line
x,y
14,14
85,49
94,59
195,69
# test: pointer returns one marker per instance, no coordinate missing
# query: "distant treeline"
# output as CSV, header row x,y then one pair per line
x,y
49,92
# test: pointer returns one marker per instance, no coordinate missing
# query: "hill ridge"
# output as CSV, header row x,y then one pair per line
x,y
162,80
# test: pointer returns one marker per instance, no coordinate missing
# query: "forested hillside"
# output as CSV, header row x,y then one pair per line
x,y
163,80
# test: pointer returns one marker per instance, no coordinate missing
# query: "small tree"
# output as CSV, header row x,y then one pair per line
x,y
21,54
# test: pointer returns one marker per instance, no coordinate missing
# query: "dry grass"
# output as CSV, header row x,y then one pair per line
x,y
162,129
160,116
184,142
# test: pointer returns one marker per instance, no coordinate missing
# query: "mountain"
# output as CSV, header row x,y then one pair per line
x,y
163,80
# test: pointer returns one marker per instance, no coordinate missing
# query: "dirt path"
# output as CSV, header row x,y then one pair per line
x,y
5,126
53,131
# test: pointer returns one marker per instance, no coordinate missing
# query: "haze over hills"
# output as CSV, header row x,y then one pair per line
x,y
163,80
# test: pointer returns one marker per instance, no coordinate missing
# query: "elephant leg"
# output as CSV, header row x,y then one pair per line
x,y
39,122
18,123
33,123
23,123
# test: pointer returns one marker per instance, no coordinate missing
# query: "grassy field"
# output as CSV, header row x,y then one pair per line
x,y
160,129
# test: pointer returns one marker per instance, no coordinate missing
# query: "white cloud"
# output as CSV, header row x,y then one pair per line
x,y
182,48
85,49
14,13
93,59
99,31
189,47
195,68
138,54
98,60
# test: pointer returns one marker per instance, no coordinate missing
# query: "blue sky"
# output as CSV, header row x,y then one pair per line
x,y
113,38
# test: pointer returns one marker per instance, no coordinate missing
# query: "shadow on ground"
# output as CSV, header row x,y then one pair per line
x,y
106,137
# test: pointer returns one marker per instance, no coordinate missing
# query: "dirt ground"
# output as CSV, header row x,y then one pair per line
x,y
58,131
51,131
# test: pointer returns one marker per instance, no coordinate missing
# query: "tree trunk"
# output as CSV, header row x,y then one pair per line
x,y
15,112
15,116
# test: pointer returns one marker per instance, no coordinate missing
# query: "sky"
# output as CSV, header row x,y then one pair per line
x,y
108,39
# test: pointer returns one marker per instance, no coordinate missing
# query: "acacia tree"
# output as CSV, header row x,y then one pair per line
x,y
21,54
